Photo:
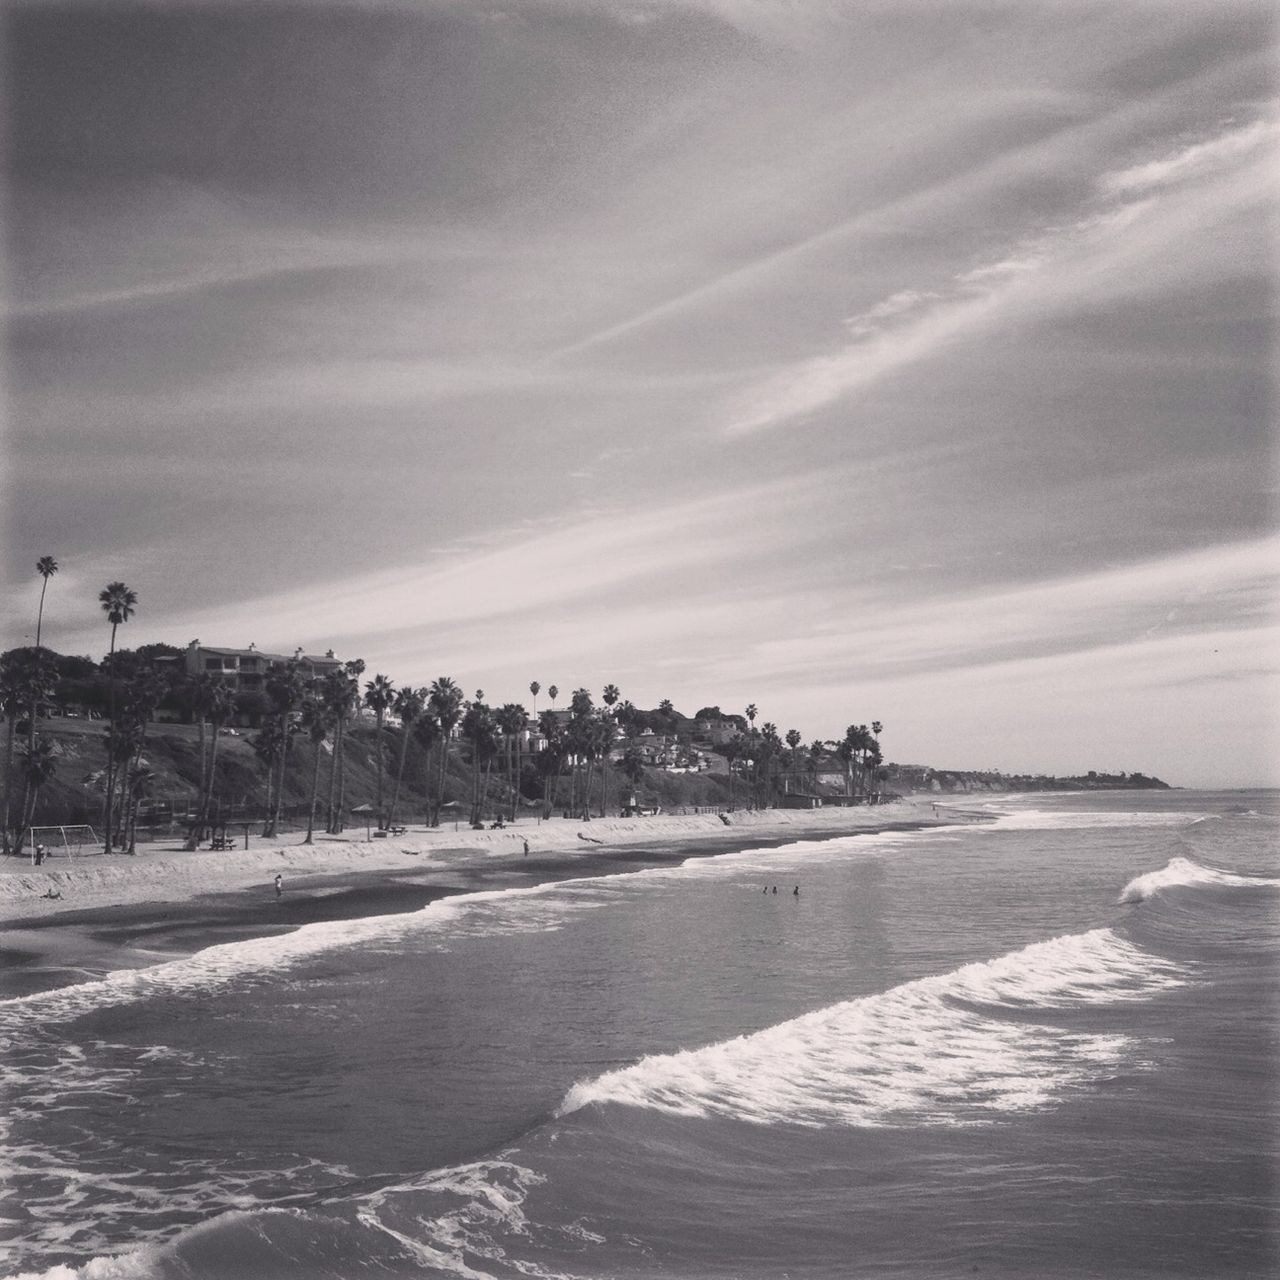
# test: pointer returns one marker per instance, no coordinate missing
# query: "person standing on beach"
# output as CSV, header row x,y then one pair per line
x,y
526,848
279,885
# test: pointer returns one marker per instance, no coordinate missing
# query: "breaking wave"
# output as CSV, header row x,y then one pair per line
x,y
947,1050
1182,872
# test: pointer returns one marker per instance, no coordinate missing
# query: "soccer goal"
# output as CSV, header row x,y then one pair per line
x,y
68,842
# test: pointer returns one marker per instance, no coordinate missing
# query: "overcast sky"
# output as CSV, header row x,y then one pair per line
x,y
902,359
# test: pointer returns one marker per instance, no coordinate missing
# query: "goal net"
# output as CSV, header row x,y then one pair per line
x,y
65,842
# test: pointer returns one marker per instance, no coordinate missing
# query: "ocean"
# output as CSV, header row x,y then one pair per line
x,y
1043,1045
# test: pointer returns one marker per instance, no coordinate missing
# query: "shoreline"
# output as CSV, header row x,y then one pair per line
x,y
124,912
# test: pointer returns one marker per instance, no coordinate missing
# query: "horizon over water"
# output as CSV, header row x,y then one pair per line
x,y
1045,1045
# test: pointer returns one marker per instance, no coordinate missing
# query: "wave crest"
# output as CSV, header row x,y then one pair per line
x,y
1181,873
935,1050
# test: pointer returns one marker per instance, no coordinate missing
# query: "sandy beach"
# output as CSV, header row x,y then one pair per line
x,y
164,873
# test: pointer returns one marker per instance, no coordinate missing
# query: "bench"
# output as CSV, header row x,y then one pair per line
x,y
222,842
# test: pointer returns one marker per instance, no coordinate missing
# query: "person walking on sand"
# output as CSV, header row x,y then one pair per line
x,y
795,893
279,885
775,888
526,848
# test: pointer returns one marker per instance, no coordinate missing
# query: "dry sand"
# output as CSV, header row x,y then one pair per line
x,y
162,872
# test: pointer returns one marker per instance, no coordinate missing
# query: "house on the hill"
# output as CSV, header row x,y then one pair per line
x,y
246,670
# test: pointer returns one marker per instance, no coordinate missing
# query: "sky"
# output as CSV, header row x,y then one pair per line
x,y
896,360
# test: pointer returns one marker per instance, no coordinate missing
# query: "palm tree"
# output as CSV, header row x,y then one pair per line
x,y
338,695
286,689
553,693
445,702
409,705
38,765
316,722
27,678
268,746
141,781
534,689
378,695
477,729
118,602
816,750
46,567
512,718
609,696
352,671
793,743
221,704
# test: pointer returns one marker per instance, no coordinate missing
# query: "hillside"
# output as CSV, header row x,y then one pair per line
x,y
172,754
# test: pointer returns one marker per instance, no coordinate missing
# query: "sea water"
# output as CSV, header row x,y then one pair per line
x,y
1045,1045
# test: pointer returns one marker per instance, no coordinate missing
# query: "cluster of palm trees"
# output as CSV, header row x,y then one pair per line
x,y
578,745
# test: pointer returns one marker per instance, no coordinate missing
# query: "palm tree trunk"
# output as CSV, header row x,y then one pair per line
x,y
284,764
331,826
395,791
444,762
377,741
315,795
8,781
111,738
339,815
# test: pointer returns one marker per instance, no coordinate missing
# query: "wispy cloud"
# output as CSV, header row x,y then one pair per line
x,y
1048,269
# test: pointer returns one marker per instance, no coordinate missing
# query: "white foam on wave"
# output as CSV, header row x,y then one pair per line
x,y
1182,873
929,1051
1055,820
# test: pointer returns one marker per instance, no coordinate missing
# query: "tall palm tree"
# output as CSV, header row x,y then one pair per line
x,y
609,696
268,746
512,719
221,706
445,702
46,567
409,705
534,689
316,722
118,602
793,743
378,696
553,693
352,670
286,688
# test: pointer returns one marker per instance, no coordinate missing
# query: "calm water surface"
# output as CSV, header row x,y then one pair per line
x,y
1042,1047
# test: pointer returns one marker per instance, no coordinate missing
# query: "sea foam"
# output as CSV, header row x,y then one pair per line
x,y
932,1051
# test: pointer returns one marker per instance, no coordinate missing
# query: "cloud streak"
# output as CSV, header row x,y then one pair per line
x,y
1052,269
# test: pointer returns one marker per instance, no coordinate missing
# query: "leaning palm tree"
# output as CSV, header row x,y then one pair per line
x,y
46,567
118,602
378,696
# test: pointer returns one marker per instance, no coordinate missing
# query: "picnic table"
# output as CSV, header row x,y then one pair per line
x,y
222,842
